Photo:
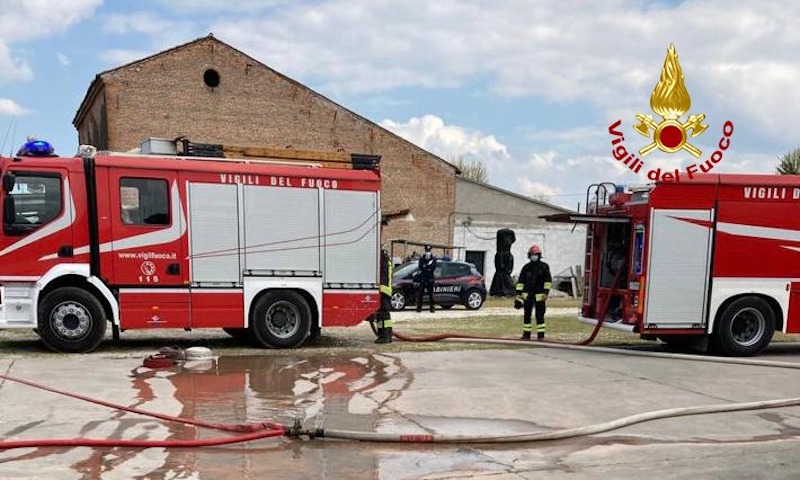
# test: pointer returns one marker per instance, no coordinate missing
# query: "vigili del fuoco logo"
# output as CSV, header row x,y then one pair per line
x,y
670,101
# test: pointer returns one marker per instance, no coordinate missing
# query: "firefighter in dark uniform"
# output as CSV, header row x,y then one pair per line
x,y
383,318
533,286
426,267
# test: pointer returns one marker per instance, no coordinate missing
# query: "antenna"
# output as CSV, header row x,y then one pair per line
x,y
5,139
13,140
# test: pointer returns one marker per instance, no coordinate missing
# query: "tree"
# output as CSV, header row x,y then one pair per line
x,y
789,163
475,171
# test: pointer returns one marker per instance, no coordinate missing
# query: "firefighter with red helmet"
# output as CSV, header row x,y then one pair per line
x,y
532,287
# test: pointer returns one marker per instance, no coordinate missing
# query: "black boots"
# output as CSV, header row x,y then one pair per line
x,y
527,336
384,335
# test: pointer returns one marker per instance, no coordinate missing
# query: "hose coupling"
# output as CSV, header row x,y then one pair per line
x,y
296,429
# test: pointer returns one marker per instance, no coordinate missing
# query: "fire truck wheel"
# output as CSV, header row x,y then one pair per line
x,y
71,320
281,319
241,334
745,327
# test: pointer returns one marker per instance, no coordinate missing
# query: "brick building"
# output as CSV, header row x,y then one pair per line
x,y
211,92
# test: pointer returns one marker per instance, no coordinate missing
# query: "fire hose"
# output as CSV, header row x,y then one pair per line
x,y
270,429
601,317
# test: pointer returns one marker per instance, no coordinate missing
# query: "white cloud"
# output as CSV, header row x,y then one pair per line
x,y
12,69
26,20
10,107
22,20
606,53
63,60
452,141
542,161
163,31
221,6
538,190
116,57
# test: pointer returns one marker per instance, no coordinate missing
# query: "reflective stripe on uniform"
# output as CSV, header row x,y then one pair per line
x,y
388,323
539,297
526,327
386,290
548,285
520,286
524,296
540,327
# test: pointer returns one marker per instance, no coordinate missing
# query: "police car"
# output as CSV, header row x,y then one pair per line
x,y
457,283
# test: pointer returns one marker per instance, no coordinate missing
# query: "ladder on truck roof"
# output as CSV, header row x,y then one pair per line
x,y
182,148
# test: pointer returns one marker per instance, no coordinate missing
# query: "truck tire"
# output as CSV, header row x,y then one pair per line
x,y
281,319
745,327
71,320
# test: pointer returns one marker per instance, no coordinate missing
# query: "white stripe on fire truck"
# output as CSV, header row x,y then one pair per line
x,y
153,290
64,221
150,239
769,233
753,231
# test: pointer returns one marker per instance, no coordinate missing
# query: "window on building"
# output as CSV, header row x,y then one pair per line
x,y
145,201
211,78
477,258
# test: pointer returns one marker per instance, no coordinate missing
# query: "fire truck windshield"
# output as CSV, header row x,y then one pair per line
x,y
33,200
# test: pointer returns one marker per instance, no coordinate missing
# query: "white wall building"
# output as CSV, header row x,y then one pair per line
x,y
483,209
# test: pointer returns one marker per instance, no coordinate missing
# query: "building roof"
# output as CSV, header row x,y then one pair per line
x,y
517,195
97,86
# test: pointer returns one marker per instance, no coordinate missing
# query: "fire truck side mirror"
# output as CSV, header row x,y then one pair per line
x,y
8,182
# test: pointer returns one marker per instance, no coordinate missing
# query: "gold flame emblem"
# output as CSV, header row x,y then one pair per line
x,y
670,100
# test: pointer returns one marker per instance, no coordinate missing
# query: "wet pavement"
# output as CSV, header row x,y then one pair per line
x,y
453,392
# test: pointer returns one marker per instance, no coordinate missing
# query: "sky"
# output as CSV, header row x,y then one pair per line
x,y
527,87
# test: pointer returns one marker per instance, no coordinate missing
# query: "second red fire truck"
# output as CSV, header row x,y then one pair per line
x,y
261,249
712,261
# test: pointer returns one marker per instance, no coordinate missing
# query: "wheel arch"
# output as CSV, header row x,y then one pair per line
x,y
307,296
771,301
74,277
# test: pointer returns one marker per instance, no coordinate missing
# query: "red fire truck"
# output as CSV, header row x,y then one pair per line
x,y
711,261
263,249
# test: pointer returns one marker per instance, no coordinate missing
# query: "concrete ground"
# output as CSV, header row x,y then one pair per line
x,y
478,391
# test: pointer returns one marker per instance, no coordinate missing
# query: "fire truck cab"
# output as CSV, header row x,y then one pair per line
x,y
711,262
266,250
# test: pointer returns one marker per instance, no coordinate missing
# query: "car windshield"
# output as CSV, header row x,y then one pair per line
x,y
405,270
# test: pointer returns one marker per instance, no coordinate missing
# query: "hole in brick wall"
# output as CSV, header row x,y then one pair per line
x,y
211,78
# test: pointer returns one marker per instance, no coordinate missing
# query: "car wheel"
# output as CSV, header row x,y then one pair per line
x,y
281,319
474,299
398,301
745,327
71,320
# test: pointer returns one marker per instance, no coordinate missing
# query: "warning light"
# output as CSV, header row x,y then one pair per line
x,y
36,148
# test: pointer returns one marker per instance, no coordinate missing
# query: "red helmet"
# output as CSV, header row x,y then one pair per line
x,y
534,250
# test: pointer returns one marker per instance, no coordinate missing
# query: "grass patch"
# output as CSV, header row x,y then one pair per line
x,y
558,302
559,328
